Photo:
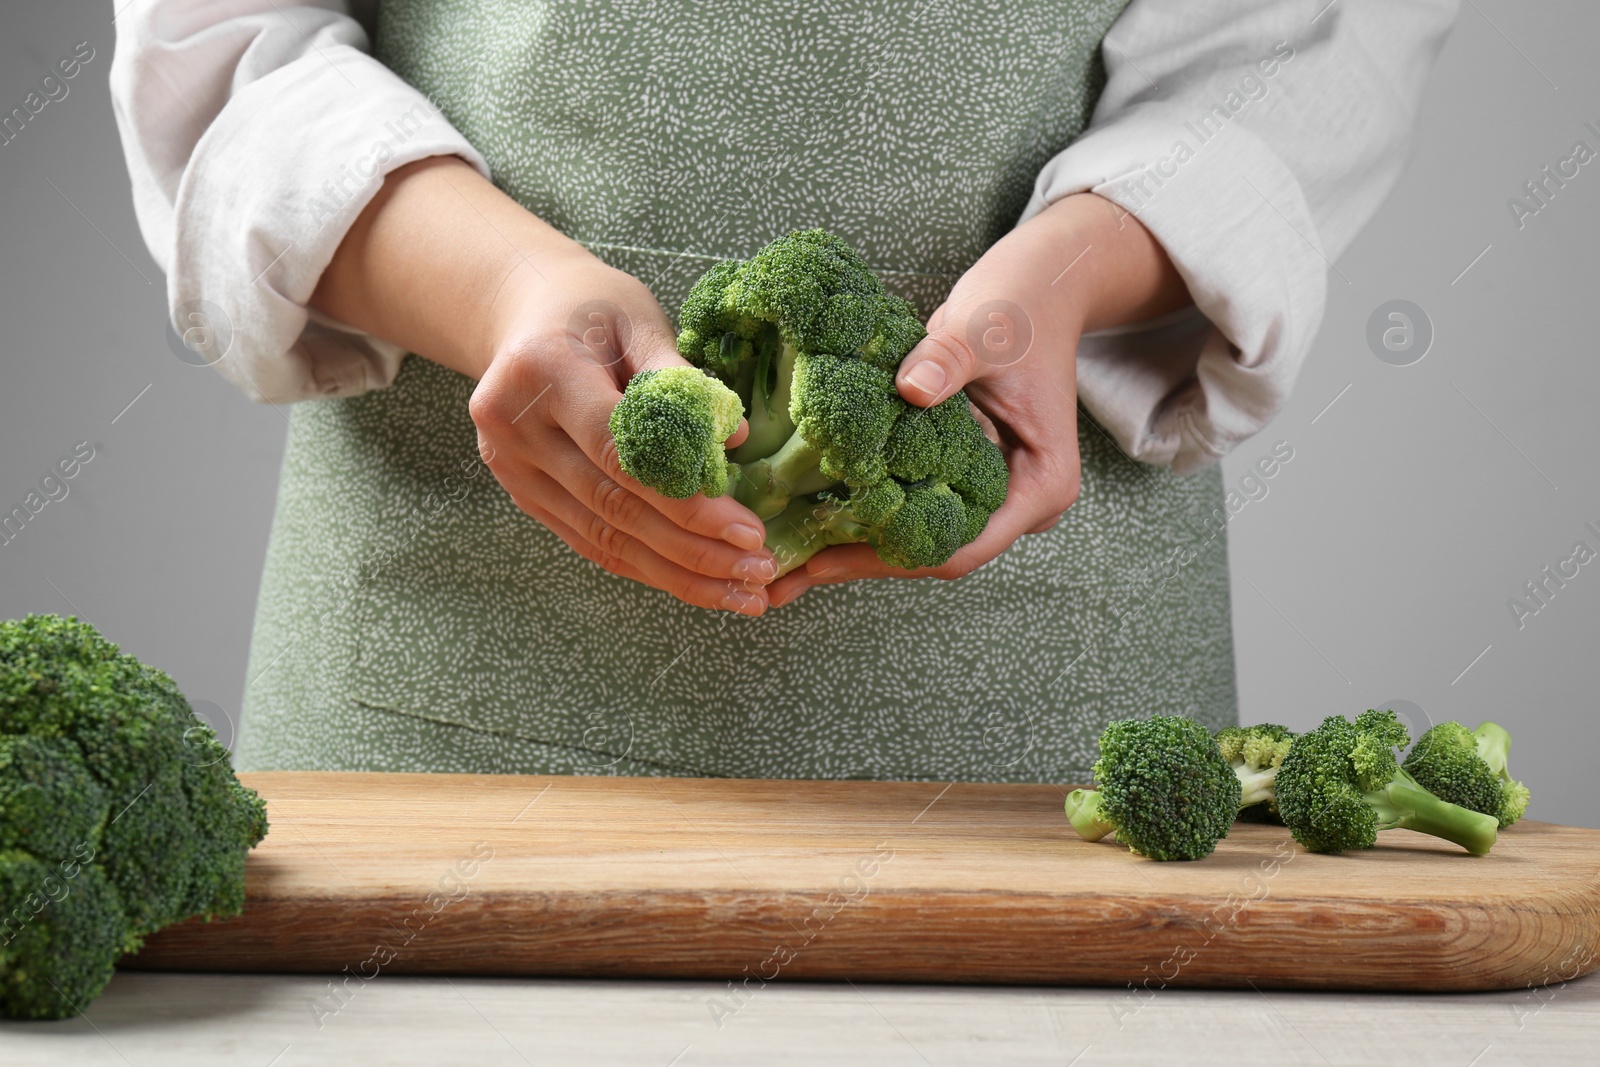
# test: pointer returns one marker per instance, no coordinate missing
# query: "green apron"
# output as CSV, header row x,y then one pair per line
x,y
412,618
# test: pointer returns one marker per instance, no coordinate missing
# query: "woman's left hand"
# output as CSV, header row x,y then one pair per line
x,y
1008,333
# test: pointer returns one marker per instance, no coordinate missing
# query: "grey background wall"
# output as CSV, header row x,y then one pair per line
x,y
1377,569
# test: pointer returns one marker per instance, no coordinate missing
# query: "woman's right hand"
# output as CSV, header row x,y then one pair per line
x,y
447,266
566,334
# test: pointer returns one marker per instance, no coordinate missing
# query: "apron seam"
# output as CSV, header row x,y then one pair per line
x,y
515,736
612,246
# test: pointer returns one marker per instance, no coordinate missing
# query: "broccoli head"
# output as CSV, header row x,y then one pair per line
x,y
808,339
669,427
1162,786
119,814
1340,784
1468,767
1255,753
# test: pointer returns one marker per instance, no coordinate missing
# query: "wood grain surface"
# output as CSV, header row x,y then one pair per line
x,y
750,881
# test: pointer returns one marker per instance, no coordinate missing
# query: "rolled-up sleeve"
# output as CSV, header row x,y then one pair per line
x,y
1254,140
255,132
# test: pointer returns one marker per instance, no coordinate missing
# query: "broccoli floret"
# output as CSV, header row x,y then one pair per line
x,y
60,935
910,526
669,427
1340,784
1255,753
1162,786
1468,767
810,342
119,814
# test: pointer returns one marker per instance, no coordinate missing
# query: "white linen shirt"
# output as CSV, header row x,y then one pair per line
x,y
1253,138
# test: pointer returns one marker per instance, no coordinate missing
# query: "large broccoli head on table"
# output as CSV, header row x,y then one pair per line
x,y
119,814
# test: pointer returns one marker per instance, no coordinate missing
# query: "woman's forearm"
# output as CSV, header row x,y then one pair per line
x,y
445,265
1104,262
432,260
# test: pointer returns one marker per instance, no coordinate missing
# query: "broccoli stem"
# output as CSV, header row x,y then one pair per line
x,y
1405,804
1494,747
770,424
1083,811
1255,786
766,486
807,526
775,463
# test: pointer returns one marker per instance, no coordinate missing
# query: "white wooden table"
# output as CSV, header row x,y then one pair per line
x,y
172,1020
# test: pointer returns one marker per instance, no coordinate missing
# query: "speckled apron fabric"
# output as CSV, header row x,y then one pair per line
x,y
411,618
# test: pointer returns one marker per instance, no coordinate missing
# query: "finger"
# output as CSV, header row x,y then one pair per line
x,y
1048,524
658,570
616,566
596,505
625,338
831,566
941,363
583,411
552,385
577,543
965,342
543,498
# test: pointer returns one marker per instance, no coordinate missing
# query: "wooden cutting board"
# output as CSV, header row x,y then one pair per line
x,y
897,881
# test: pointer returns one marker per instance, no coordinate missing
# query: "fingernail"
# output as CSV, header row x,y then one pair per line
x,y
828,574
928,376
740,601
742,535
756,569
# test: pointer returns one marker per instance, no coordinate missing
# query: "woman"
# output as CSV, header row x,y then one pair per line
x,y
456,249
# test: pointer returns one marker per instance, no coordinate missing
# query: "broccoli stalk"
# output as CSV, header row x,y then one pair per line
x,y
1162,786
905,523
807,526
767,484
1256,753
119,814
1402,803
1340,784
805,338
1255,785
1493,743
1083,811
770,424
